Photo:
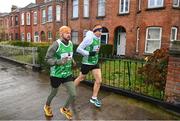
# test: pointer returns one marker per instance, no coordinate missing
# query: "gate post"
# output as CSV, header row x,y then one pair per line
x,y
172,89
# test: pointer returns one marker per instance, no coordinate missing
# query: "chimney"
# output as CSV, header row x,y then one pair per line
x,y
39,1
13,8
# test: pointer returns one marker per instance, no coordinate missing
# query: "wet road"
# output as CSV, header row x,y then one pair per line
x,y
23,94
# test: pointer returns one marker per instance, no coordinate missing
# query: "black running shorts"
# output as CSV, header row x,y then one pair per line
x,y
56,82
86,68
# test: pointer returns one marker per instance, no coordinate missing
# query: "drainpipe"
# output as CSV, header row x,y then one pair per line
x,y
67,12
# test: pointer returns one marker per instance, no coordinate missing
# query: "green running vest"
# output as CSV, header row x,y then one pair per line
x,y
95,46
63,51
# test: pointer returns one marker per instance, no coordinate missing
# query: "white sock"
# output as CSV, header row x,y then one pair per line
x,y
94,97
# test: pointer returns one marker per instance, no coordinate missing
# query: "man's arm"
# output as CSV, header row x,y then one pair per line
x,y
50,55
86,42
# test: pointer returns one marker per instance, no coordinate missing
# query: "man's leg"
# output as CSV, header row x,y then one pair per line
x,y
72,94
98,79
80,78
71,91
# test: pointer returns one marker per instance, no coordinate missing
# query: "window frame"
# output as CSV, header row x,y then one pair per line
x,y
35,17
155,5
28,18
58,13
101,5
43,18
50,14
86,8
176,33
124,6
22,18
75,8
28,37
178,4
137,39
146,41
77,37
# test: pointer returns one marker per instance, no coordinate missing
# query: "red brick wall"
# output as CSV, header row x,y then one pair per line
x,y
172,90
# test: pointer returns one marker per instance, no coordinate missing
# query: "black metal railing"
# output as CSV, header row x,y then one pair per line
x,y
123,74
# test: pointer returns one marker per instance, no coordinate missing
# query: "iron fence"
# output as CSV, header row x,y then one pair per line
x,y
25,55
123,74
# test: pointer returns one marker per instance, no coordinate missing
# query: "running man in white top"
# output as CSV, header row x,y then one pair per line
x,y
89,48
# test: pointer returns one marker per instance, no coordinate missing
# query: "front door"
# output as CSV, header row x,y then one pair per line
x,y
121,43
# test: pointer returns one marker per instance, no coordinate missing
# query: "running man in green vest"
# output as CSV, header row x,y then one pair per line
x,y
89,48
60,57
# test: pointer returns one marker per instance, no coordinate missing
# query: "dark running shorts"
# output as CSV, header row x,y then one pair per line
x,y
86,68
56,82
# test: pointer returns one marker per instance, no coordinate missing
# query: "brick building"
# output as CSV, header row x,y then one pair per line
x,y
134,27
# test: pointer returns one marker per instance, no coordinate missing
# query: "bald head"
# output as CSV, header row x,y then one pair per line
x,y
65,33
64,29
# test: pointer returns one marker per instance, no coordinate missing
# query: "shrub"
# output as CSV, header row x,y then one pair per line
x,y
155,70
106,50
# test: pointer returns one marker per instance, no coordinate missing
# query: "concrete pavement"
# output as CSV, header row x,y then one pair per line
x,y
23,94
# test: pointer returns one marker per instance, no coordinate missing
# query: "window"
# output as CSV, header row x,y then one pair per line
x,y
35,17
101,7
49,13
43,16
58,13
12,20
139,5
16,36
28,18
173,33
104,38
124,6
86,8
75,8
16,20
153,39
74,37
22,37
49,35
29,37
155,3
176,3
137,40
36,37
47,1
22,19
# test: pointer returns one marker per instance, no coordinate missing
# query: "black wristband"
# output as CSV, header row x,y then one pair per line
x,y
92,53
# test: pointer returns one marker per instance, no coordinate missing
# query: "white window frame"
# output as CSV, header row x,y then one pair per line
x,y
86,8
49,16
74,38
36,37
175,34
22,18
43,16
122,9
28,18
22,37
28,37
149,39
107,35
35,17
139,5
75,9
155,5
58,13
101,7
137,39
49,35
176,3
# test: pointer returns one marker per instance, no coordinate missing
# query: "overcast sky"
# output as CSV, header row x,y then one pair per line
x,y
5,5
